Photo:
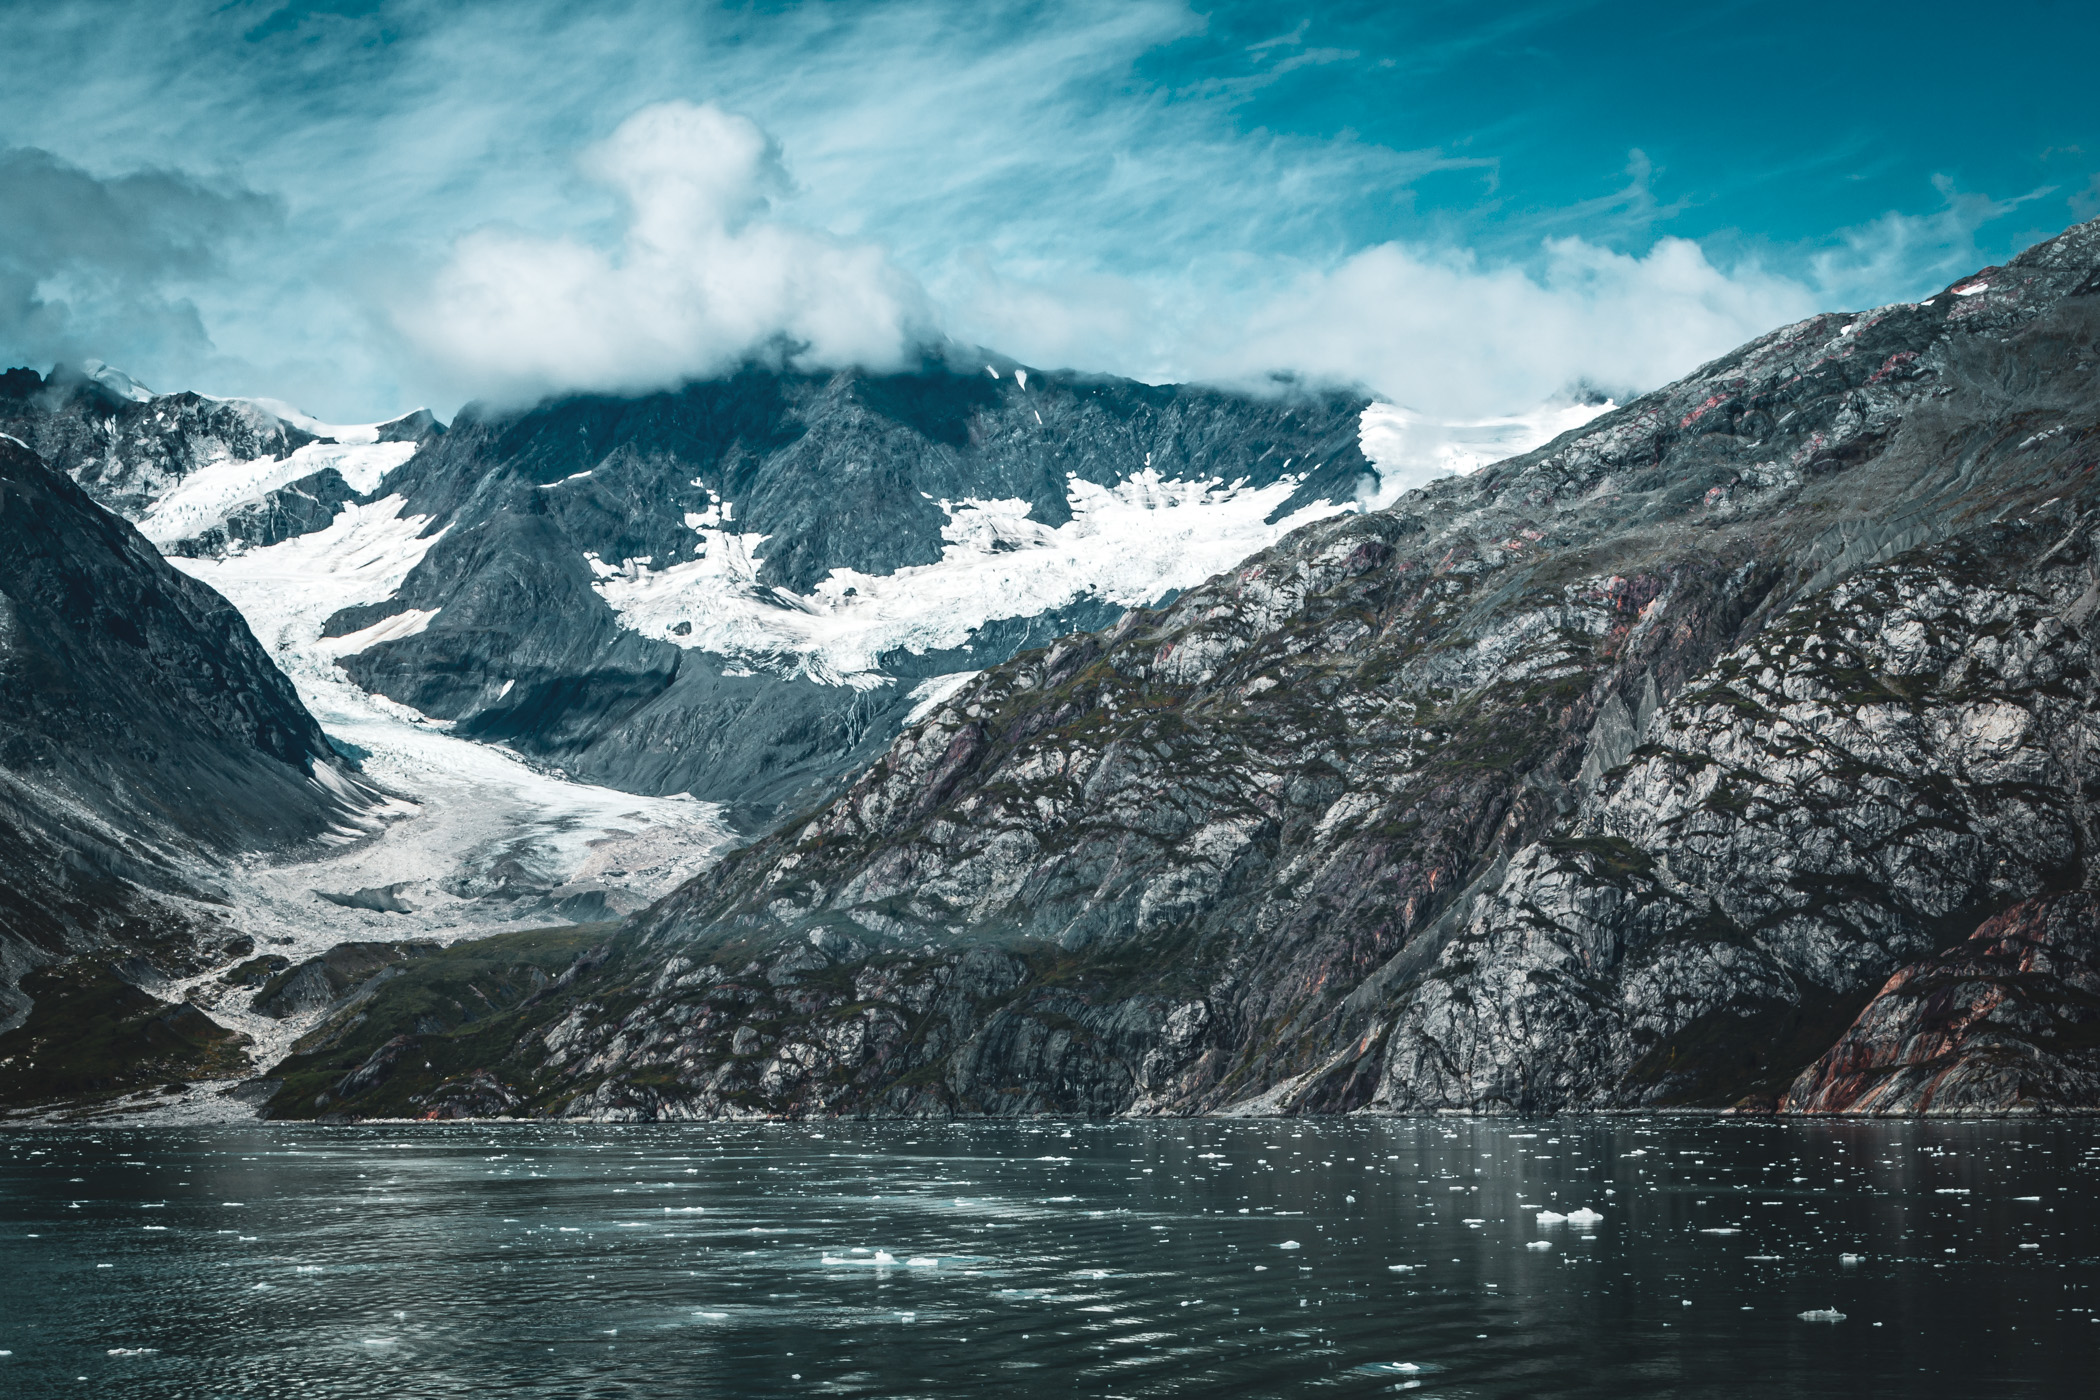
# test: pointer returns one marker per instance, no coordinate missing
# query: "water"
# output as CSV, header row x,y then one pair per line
x,y
1146,1259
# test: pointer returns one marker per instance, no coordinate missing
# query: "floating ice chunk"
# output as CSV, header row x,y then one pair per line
x,y
884,1257
1822,1315
1952,1191
922,1262
1551,1217
1402,1268
134,1351
1583,1215
1721,1230
1393,1368
1290,1244
1540,1244
2027,1198
1848,1259
2030,1246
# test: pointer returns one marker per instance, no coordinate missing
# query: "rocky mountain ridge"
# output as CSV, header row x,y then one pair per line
x,y
146,741
1624,773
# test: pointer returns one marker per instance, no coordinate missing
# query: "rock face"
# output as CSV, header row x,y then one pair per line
x,y
144,740
2008,1020
1619,774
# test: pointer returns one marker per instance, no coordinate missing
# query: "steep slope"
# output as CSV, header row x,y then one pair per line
x,y
145,742
1621,773
739,589
2008,1020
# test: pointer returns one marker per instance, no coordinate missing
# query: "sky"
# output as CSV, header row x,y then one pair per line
x,y
1467,209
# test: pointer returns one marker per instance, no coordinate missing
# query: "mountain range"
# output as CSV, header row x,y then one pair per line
x,y
1096,748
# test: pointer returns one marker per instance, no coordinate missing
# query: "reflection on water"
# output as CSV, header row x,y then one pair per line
x,y
1264,1257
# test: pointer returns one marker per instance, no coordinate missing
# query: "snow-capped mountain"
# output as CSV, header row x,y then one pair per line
x,y
743,588
738,590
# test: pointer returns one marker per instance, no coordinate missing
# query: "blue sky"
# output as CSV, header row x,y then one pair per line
x,y
1467,208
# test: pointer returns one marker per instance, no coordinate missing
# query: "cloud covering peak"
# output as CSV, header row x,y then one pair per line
x,y
702,277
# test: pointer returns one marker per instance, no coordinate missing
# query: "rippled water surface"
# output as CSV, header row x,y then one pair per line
x,y
1187,1258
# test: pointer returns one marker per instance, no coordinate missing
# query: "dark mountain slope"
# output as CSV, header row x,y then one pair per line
x,y
844,471
1621,773
145,738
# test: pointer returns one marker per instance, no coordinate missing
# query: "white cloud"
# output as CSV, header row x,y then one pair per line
x,y
703,277
1442,330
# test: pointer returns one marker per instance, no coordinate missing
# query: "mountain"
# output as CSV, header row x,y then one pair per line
x,y
146,744
742,589
1730,750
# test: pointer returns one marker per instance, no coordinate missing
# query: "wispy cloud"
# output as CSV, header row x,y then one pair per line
x,y
445,214
88,260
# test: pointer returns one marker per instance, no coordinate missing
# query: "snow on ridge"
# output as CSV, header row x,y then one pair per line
x,y
292,416
1128,544
1411,449
211,493
935,691
116,381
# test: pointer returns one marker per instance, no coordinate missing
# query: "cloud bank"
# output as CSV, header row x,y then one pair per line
x,y
702,279
87,261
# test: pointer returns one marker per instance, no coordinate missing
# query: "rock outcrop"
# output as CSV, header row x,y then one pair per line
x,y
2008,1020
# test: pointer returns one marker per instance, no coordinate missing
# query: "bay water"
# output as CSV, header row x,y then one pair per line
x,y
1690,1256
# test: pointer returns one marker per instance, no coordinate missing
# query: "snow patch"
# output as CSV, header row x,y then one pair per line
x,y
1411,450
211,493
387,629
1128,545
934,691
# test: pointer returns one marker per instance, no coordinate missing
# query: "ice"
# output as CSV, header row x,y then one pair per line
x,y
1848,1259
1822,1315
1402,1268
1290,1244
212,492
453,807
1128,544
1411,450
1540,1244
1721,1230
1583,1215
1551,1217
922,1262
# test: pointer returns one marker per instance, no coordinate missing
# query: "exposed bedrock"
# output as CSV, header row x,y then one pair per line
x,y
2008,1019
